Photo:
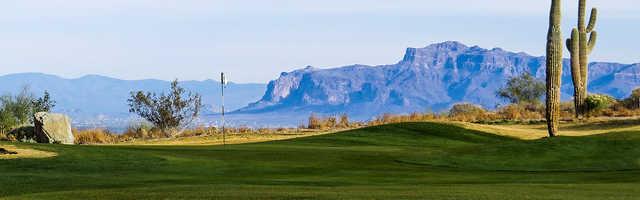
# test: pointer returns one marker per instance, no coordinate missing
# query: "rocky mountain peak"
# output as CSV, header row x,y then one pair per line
x,y
429,78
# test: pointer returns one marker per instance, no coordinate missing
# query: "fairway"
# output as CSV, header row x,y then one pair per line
x,y
397,161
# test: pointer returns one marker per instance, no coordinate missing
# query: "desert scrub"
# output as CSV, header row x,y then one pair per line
x,y
466,112
3,136
599,102
520,112
94,136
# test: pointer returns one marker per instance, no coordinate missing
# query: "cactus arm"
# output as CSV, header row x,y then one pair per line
x,y
575,58
576,71
575,36
569,45
582,4
592,41
592,20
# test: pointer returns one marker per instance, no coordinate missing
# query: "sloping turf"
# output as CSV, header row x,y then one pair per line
x,y
400,161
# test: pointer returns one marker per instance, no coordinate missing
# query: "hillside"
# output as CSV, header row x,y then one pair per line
x,y
399,161
430,78
98,98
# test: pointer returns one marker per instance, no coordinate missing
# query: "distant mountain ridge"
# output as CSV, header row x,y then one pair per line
x,y
429,78
94,96
425,79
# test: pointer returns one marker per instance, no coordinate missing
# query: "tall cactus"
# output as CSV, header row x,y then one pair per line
x,y
580,47
554,67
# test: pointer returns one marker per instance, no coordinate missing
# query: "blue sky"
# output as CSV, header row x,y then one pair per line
x,y
254,41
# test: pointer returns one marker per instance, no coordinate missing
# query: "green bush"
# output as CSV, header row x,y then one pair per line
x,y
523,89
599,102
18,110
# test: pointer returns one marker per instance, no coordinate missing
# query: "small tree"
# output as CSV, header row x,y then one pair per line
x,y
633,101
166,112
19,106
523,89
43,104
7,121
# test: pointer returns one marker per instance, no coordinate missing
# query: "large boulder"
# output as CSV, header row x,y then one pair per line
x,y
53,128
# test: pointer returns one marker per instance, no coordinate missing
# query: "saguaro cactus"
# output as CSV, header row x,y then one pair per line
x,y
554,67
580,47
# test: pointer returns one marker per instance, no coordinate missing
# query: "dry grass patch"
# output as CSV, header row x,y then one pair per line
x,y
232,138
13,152
94,136
536,131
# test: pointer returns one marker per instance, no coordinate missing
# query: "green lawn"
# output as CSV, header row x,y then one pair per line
x,y
400,161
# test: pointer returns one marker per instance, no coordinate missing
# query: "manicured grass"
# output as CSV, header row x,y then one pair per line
x,y
399,161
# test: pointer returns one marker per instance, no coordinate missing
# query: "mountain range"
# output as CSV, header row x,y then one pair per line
x,y
430,78
97,99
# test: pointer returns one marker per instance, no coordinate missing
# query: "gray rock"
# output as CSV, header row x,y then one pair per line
x,y
53,128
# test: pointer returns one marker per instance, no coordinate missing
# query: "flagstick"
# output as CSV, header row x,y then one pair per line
x,y
222,84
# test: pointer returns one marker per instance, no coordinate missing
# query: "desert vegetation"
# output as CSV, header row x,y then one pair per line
x,y
17,111
330,122
554,67
535,146
195,135
169,113
521,110
580,45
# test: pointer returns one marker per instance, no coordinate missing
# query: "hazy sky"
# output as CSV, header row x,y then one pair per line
x,y
254,41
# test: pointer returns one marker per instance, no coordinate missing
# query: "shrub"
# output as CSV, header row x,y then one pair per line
x,y
167,112
198,131
344,121
140,130
94,136
18,110
244,130
519,112
330,122
7,121
268,131
622,109
633,101
23,134
523,89
466,112
314,122
598,102
567,110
